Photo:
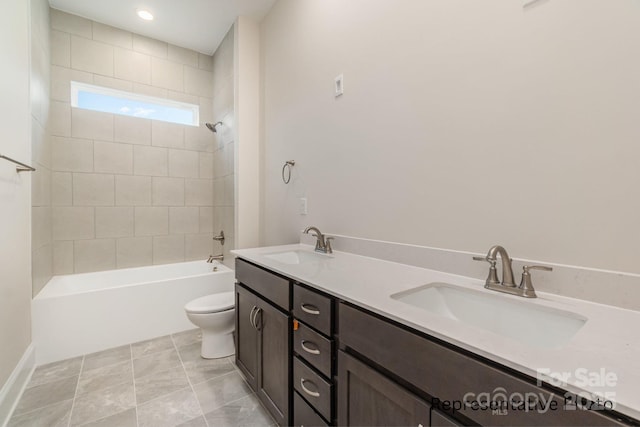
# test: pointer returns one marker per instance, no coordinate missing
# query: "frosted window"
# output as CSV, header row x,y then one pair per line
x,y
96,98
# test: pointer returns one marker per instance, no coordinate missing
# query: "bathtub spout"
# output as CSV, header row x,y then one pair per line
x,y
215,258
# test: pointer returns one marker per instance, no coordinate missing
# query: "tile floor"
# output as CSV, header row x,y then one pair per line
x,y
155,383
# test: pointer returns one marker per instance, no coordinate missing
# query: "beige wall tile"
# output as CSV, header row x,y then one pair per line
x,y
132,66
60,119
110,157
134,252
198,82
144,89
63,257
41,186
60,82
41,227
199,246
111,35
60,49
132,130
40,144
168,249
168,191
205,62
149,46
199,138
93,189
205,161
206,220
151,221
167,74
183,220
229,194
165,134
218,164
110,82
91,56
91,124
72,155
94,255
229,158
61,189
69,23
183,163
73,223
114,222
133,190
185,56
198,192
218,192
150,161
41,267
206,109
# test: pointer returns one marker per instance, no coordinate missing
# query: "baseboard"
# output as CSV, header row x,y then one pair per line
x,y
14,387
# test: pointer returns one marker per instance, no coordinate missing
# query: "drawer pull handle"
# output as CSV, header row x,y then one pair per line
x,y
257,325
310,309
307,349
306,390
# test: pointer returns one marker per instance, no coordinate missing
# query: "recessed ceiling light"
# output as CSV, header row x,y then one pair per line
x,y
145,14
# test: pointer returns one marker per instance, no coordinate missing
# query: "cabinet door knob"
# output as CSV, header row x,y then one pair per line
x,y
310,309
307,349
306,390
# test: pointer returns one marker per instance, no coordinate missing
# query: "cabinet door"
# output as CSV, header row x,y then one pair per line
x,y
274,362
367,398
246,335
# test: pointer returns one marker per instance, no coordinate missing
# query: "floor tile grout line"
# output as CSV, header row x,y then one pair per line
x,y
30,412
75,394
189,381
133,377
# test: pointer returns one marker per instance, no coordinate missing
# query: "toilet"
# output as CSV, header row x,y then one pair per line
x,y
215,315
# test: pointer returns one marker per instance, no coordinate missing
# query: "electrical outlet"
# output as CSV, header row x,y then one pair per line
x,y
302,206
339,86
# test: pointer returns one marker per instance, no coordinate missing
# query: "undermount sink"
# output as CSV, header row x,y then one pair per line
x,y
519,320
296,257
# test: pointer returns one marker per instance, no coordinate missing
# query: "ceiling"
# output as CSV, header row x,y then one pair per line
x,y
195,24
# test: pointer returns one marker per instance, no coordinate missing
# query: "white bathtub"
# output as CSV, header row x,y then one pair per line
x,y
83,313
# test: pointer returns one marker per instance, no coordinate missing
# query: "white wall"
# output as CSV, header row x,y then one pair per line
x,y
15,190
463,124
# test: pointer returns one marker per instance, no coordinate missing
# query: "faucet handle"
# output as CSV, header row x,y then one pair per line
x,y
492,278
525,284
327,244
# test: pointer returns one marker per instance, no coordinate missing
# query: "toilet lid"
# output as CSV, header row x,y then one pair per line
x,y
212,303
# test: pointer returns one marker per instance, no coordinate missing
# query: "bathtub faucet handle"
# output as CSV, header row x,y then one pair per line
x,y
220,237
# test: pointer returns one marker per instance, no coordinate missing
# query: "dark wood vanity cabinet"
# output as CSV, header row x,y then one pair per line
x,y
316,361
368,398
263,337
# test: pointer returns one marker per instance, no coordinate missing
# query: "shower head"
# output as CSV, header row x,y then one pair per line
x,y
212,127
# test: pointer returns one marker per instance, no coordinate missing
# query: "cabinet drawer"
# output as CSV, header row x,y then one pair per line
x,y
449,375
441,420
268,285
316,390
314,348
312,308
304,415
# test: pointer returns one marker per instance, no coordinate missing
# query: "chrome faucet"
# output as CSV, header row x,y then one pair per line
x,y
507,285
215,258
323,244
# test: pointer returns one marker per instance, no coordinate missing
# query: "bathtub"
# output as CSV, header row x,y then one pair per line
x,y
83,313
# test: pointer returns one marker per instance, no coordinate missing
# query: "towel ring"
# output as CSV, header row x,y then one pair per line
x,y
287,168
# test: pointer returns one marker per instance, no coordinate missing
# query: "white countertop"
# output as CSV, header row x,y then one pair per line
x,y
608,344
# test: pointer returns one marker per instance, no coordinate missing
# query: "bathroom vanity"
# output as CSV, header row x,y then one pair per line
x,y
322,342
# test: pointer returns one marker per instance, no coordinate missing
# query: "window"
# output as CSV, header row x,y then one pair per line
x,y
96,98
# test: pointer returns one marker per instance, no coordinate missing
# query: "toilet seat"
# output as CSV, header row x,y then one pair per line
x,y
214,303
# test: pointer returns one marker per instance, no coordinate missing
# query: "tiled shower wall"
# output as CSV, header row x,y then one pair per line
x,y
128,191
41,235
223,110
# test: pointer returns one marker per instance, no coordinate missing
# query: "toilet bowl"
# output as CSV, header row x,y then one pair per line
x,y
215,315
